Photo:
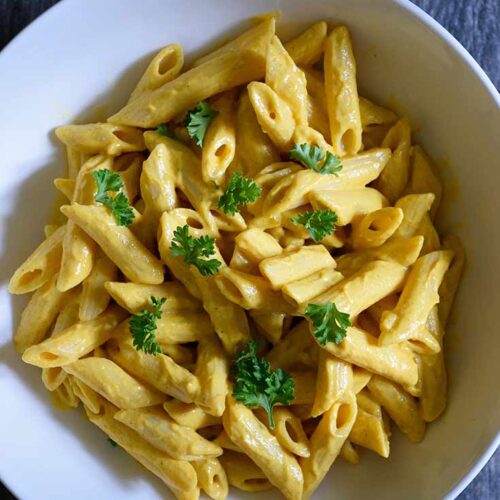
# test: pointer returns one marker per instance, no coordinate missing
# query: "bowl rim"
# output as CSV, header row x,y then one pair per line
x,y
420,15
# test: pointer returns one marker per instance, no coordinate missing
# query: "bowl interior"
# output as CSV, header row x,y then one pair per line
x,y
50,77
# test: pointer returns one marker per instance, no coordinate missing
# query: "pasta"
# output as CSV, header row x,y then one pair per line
x,y
245,279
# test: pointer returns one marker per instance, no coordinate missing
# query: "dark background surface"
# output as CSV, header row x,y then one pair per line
x,y
475,24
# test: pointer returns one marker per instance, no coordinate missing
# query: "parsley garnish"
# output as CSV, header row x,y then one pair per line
x,y
192,249
257,385
238,193
319,223
312,156
142,327
329,324
163,129
119,205
114,444
197,121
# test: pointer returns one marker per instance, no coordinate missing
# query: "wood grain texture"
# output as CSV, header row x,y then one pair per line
x,y
475,23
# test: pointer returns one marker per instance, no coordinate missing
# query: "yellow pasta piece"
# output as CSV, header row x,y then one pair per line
x,y
289,432
65,187
372,114
349,453
306,48
74,161
393,179
75,341
415,207
327,441
105,138
118,242
342,93
40,266
375,228
431,237
231,66
279,466
164,67
270,324
212,478
244,474
189,415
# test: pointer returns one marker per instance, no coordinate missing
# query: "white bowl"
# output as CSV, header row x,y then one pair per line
x,y
86,54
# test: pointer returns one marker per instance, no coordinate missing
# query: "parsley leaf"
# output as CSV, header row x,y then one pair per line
x,y
192,249
107,180
257,385
329,324
312,156
142,327
197,121
319,223
238,193
163,129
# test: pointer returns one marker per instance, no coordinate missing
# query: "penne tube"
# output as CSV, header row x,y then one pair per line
x,y
117,242
289,432
395,362
349,453
327,441
423,178
189,415
212,478
317,110
94,298
403,251
370,429
180,328
135,297
219,143
63,397
295,265
130,175
299,292
256,245
247,432
65,186
90,399
372,114
159,371
74,161
75,341
349,205
160,431
224,442
415,207
431,237
342,93
306,49
334,379
255,149
180,354
244,474
394,178
233,65
287,80
370,284
419,296
360,379
270,324
101,138
178,475
451,280
114,384
273,114
305,382
40,266
375,228
400,406
212,371
164,67
39,314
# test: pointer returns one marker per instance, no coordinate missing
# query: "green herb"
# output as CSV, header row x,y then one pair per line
x,y
163,129
142,327
314,158
197,121
192,249
319,223
238,193
257,385
112,443
119,205
329,324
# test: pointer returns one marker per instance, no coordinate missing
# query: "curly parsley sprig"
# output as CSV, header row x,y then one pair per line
x,y
142,327
197,121
314,158
192,249
257,385
319,223
329,324
238,193
108,181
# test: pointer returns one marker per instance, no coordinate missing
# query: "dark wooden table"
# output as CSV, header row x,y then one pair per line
x,y
475,23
